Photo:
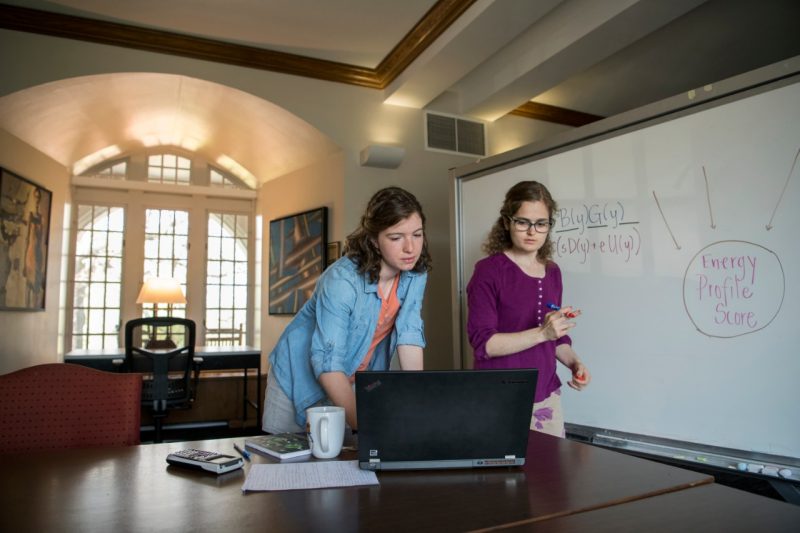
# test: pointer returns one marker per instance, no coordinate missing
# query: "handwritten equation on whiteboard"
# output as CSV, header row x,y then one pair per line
x,y
588,229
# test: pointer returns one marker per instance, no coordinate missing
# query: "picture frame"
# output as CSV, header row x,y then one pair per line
x,y
297,256
24,241
334,252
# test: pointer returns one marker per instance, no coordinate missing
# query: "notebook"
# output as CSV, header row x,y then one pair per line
x,y
443,418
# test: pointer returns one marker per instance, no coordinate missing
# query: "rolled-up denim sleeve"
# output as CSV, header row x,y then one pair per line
x,y
334,314
481,310
409,325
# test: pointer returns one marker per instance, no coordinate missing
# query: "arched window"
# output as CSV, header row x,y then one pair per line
x,y
169,168
123,235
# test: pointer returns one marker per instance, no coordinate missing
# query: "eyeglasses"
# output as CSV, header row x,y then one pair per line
x,y
523,224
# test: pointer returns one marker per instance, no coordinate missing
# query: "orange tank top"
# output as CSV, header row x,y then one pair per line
x,y
390,306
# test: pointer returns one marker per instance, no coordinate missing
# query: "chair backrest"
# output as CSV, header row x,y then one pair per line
x,y
158,358
61,405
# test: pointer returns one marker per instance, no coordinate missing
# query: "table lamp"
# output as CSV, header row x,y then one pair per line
x,y
161,291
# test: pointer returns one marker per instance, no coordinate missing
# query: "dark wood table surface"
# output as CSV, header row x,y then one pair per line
x,y
133,489
707,508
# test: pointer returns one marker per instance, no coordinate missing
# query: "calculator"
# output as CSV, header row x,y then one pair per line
x,y
218,463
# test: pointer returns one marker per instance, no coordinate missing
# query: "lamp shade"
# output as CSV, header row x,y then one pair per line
x,y
161,291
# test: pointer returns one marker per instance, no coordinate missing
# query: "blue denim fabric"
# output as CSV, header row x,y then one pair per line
x,y
333,330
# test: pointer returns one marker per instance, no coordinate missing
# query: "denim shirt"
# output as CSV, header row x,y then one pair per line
x,y
332,332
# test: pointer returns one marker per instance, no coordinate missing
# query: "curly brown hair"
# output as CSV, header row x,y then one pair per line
x,y
386,208
499,239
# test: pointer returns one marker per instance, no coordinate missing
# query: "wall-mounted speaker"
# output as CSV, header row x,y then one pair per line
x,y
380,156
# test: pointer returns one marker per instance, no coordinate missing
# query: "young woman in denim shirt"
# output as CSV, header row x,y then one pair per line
x,y
364,306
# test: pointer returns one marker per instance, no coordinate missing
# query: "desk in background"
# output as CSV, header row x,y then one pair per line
x,y
242,358
132,489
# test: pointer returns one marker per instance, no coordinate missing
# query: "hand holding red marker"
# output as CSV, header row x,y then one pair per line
x,y
580,376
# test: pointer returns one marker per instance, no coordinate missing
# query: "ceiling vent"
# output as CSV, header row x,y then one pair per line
x,y
453,134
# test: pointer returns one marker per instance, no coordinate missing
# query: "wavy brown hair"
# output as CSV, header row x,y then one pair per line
x,y
499,239
386,208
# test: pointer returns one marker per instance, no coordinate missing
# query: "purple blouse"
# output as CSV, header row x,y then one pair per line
x,y
501,298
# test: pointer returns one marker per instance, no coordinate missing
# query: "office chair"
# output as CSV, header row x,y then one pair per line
x,y
166,363
60,405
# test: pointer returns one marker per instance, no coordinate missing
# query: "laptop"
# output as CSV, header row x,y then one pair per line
x,y
443,418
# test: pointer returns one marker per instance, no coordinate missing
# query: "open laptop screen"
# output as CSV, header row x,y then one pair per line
x,y
443,418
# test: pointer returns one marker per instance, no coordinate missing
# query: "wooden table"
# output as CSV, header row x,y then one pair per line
x,y
215,358
132,489
707,508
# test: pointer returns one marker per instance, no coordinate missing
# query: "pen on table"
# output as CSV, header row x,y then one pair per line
x,y
554,307
243,453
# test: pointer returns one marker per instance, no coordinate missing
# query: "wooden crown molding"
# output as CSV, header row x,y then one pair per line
x,y
421,36
551,113
431,26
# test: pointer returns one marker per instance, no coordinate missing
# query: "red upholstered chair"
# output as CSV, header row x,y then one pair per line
x,y
60,405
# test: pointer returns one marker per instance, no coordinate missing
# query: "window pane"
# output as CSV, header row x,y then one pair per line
x,y
95,342
152,221
97,295
99,241
240,297
223,297
112,321
112,295
181,244
162,259
182,223
100,218
241,250
167,222
114,269
115,244
227,273
212,296
83,243
96,320
212,318
116,220
82,268
214,249
227,248
98,259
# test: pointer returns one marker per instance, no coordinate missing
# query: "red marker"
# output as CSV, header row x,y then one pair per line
x,y
554,307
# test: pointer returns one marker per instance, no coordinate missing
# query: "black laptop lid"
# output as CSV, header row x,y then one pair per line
x,y
444,418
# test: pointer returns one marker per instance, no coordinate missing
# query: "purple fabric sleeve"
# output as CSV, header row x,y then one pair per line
x,y
501,298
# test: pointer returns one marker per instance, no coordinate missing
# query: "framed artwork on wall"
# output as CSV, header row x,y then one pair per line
x,y
297,257
24,238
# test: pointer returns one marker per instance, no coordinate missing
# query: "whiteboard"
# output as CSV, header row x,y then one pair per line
x,y
679,239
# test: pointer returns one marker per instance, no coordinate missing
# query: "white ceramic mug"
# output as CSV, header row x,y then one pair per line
x,y
325,429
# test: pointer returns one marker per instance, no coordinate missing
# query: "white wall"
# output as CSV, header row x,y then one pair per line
x,y
30,338
320,185
352,117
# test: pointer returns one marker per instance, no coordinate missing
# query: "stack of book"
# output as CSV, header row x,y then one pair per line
x,y
282,445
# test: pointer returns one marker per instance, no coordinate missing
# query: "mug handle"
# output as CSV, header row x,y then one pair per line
x,y
323,433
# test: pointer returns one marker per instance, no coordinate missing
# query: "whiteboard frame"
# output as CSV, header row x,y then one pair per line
x,y
762,80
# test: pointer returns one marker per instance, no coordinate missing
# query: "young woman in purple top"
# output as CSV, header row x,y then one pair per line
x,y
509,322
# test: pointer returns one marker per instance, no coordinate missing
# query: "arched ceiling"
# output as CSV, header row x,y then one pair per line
x,y
123,112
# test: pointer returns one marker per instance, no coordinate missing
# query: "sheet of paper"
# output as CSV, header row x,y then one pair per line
x,y
307,475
